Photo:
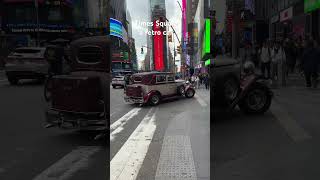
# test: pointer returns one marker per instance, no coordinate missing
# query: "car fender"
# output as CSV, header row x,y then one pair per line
x,y
149,94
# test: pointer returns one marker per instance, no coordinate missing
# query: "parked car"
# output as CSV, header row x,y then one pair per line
x,y
152,87
26,63
118,81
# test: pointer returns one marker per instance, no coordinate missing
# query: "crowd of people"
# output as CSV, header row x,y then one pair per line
x,y
199,80
278,59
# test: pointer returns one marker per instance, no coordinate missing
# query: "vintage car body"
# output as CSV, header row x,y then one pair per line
x,y
152,87
78,100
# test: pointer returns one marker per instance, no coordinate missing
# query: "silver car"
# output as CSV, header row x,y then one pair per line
x,y
118,81
26,63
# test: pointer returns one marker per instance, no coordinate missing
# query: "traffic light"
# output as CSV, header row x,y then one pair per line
x,y
170,37
179,49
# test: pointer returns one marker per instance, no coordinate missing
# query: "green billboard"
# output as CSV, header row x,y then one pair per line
x,y
311,5
206,41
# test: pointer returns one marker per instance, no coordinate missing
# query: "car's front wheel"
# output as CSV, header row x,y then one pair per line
x,y
190,93
154,99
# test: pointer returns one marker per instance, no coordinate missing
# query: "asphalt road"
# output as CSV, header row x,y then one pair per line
x,y
170,140
29,151
162,142
284,143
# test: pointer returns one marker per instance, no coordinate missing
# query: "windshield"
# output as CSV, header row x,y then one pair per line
x,y
26,51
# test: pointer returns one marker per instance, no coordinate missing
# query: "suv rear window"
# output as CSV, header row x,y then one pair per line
x,y
27,51
137,79
90,54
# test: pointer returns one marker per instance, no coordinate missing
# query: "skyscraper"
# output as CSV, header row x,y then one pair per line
x,y
159,41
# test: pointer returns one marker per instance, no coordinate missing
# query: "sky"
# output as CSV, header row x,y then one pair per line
x,y
139,13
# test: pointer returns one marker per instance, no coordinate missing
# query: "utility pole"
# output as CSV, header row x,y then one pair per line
x,y
38,27
235,28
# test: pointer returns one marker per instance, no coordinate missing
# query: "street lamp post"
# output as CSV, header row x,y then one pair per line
x,y
37,17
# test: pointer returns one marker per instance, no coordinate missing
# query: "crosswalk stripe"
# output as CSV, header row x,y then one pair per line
x,y
71,163
200,100
126,164
117,126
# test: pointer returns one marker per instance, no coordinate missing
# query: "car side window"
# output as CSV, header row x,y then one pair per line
x,y
170,78
161,79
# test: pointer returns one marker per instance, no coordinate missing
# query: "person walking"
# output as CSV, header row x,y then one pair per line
x,y
278,61
197,82
206,81
310,64
265,60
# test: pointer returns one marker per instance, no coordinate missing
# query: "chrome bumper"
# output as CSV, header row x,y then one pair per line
x,y
138,100
56,119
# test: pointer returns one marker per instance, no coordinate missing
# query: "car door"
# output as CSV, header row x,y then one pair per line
x,y
171,85
161,85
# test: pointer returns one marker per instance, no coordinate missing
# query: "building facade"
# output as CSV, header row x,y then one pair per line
x,y
159,42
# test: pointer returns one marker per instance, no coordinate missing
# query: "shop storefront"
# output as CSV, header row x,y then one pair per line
x,y
274,22
298,21
286,23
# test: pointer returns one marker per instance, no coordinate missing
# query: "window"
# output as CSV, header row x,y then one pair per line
x,y
137,79
161,79
90,54
170,78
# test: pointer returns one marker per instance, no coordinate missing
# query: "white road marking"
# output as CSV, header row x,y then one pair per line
x,y
126,164
200,100
292,128
117,126
71,163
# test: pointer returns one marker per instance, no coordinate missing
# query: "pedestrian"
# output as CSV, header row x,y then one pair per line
x,y
265,56
278,59
310,64
206,81
197,82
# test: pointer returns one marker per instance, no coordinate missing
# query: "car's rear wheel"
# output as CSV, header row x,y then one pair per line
x,y
154,99
190,93
113,86
48,86
13,80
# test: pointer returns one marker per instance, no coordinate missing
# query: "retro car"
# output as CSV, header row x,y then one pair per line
x,y
152,87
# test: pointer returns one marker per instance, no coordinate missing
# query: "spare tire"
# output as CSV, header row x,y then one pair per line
x,y
227,90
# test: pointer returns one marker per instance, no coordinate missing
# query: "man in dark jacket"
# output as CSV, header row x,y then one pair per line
x,y
310,64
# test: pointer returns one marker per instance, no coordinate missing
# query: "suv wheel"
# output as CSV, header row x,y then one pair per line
x,y
155,99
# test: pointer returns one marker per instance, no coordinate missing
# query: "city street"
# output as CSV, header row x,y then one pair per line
x,y
160,142
282,144
29,151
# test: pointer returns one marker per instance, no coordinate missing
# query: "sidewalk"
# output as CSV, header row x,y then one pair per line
x,y
204,94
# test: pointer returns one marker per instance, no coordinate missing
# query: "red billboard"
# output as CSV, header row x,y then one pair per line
x,y
158,48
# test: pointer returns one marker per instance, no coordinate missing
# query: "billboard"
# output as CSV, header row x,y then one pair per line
x,y
206,43
158,48
116,28
311,5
